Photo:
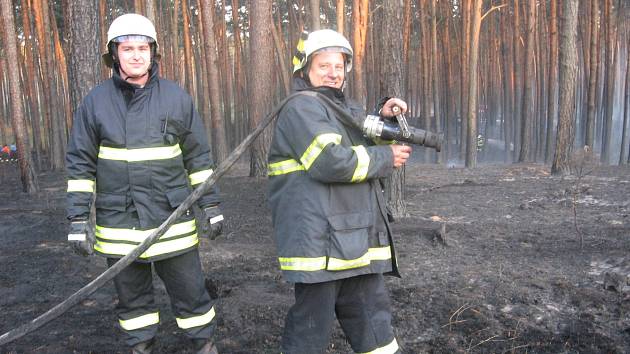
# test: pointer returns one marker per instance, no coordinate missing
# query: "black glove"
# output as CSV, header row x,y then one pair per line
x,y
78,237
212,222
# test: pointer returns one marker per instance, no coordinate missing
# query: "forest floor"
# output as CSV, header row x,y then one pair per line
x,y
492,259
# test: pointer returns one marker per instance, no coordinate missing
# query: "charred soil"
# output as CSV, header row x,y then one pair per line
x,y
497,259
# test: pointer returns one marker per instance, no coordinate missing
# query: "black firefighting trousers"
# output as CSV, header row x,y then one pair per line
x,y
137,312
361,304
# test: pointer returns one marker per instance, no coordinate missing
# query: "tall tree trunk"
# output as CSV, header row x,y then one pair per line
x,y
436,74
260,90
188,53
624,156
589,134
216,116
567,83
29,179
471,136
392,85
31,89
508,88
609,82
518,76
341,15
552,103
360,12
239,80
84,60
527,108
314,9
465,71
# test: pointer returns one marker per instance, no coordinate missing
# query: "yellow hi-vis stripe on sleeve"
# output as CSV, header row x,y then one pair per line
x,y
306,264
390,348
137,155
284,167
363,164
199,177
317,146
196,321
81,185
140,322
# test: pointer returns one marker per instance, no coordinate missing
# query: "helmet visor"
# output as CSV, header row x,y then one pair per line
x,y
133,38
334,49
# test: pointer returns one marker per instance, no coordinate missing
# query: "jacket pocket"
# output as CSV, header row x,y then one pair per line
x,y
117,202
349,241
177,196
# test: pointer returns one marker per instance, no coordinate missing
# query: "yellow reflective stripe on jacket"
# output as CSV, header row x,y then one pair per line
x,y
199,177
307,264
81,185
390,348
196,321
136,155
160,248
140,322
302,263
317,146
363,164
284,167
138,236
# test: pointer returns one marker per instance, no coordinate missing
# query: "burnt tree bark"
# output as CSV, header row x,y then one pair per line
x,y
567,82
260,89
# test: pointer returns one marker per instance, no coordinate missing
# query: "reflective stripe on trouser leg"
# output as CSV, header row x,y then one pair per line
x,y
310,320
185,283
137,314
364,313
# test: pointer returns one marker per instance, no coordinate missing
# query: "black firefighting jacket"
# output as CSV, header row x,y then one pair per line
x,y
328,206
142,150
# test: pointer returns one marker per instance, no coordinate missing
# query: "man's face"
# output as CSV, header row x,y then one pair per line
x,y
135,58
327,69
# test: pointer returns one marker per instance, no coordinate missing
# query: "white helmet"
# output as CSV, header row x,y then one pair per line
x,y
129,26
325,40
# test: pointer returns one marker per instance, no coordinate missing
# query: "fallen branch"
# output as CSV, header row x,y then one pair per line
x,y
111,272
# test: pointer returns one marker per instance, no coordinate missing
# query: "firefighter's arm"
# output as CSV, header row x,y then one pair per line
x,y
199,164
316,142
81,157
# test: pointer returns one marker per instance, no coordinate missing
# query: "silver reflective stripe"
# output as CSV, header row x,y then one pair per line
x,y
390,348
140,322
363,164
216,219
196,321
199,177
317,146
76,237
81,185
136,155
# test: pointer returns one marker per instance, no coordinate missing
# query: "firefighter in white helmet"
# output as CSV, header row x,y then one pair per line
x,y
139,144
330,220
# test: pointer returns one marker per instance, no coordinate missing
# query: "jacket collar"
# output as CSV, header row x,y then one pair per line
x,y
337,95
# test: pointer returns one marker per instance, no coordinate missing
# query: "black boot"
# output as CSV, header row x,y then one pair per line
x,y
205,346
143,347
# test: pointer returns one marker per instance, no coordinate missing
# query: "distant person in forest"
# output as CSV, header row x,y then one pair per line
x,y
5,153
13,153
331,225
138,142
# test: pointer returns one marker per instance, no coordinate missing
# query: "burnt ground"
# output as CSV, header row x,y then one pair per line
x,y
492,262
